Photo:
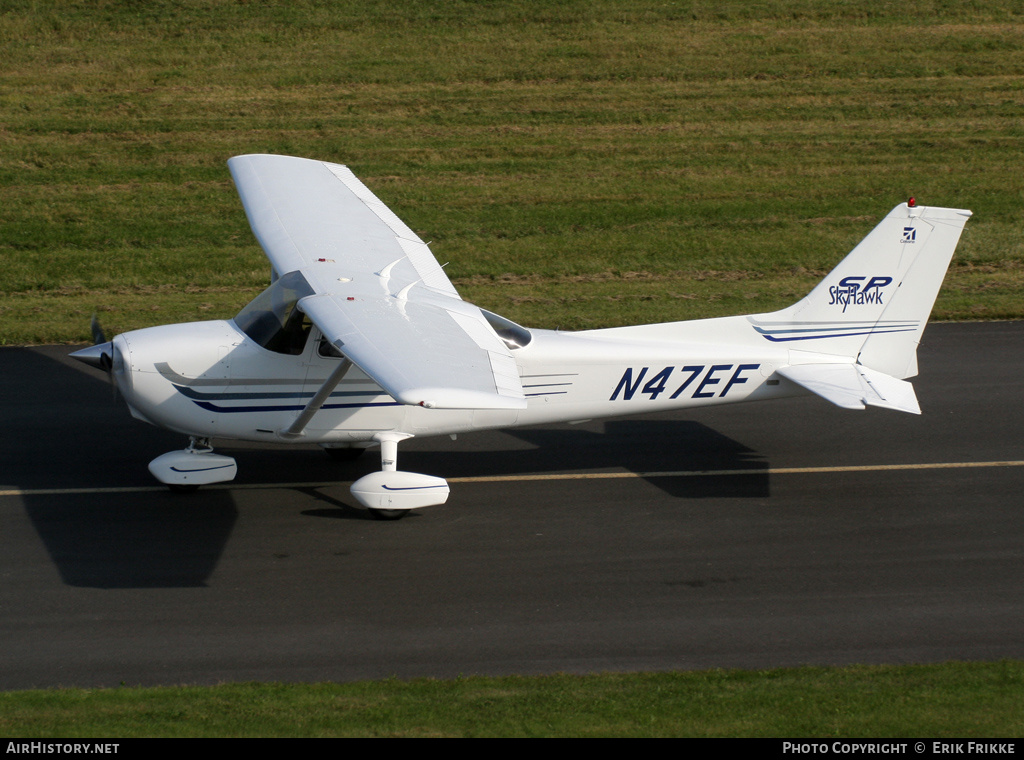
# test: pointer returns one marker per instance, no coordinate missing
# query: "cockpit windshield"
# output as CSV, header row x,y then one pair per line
x,y
273,320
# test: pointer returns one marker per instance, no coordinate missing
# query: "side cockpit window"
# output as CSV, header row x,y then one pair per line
x,y
273,318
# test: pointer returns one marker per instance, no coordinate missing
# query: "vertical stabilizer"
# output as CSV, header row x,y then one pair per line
x,y
873,307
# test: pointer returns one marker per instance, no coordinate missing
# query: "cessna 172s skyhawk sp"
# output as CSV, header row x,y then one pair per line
x,y
361,339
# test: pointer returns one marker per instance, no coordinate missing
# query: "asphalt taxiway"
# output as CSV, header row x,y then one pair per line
x,y
762,535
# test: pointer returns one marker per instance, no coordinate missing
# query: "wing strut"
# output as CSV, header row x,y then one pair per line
x,y
296,428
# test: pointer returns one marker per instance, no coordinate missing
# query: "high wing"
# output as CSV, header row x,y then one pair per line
x,y
375,289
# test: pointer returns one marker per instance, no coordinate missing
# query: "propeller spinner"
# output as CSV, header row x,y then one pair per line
x,y
101,353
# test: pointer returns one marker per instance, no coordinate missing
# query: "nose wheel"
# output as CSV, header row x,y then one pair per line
x,y
184,471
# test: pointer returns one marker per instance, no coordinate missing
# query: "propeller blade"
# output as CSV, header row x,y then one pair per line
x,y
100,354
97,331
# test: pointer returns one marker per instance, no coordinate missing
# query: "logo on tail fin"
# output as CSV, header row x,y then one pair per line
x,y
850,293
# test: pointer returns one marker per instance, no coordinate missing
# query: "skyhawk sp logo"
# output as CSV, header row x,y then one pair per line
x,y
909,235
850,293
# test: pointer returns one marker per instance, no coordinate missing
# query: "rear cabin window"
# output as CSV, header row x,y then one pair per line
x,y
515,336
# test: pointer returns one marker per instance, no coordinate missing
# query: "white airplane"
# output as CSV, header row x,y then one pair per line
x,y
362,340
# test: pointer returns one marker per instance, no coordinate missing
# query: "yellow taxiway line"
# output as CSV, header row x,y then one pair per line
x,y
527,477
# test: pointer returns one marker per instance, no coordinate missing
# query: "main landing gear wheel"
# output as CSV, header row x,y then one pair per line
x,y
389,493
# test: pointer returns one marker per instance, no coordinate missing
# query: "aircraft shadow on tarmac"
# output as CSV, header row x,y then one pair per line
x,y
64,429
125,539
632,445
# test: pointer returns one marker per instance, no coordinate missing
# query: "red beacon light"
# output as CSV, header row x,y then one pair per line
x,y
911,202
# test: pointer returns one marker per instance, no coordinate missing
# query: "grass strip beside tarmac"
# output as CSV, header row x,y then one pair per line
x,y
609,162
960,700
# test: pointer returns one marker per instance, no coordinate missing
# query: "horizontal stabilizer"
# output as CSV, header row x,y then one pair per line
x,y
851,386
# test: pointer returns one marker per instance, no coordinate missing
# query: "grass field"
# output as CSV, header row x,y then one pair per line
x,y
959,700
579,164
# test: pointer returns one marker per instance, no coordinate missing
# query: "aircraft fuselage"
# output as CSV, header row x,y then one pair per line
x,y
208,379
